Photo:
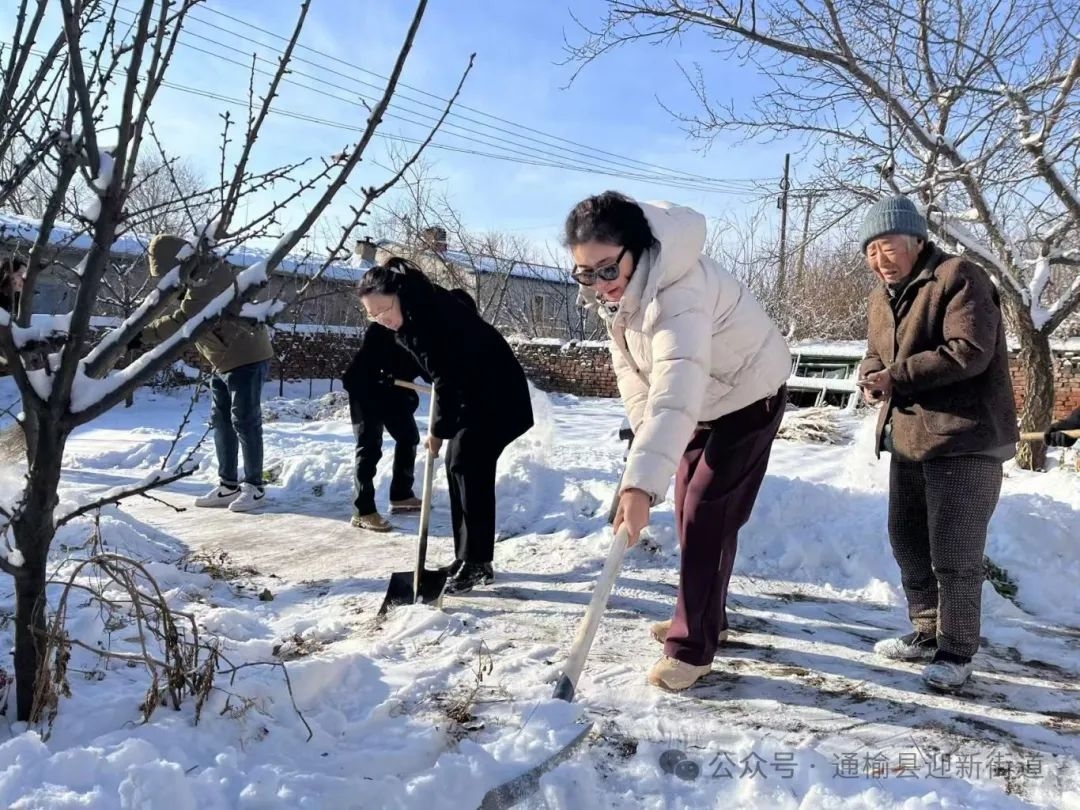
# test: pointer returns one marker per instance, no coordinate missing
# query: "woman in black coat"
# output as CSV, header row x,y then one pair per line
x,y
375,404
481,394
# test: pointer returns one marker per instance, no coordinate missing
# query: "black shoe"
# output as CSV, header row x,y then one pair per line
x,y
468,576
453,568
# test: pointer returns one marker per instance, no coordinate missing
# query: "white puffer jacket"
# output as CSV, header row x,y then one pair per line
x,y
689,344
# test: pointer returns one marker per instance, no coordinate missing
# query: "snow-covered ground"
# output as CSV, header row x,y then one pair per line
x,y
430,708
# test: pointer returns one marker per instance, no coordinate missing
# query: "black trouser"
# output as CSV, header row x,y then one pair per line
x,y
368,424
471,457
939,512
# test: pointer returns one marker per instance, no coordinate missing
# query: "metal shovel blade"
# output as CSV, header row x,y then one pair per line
x,y
401,589
510,793
419,585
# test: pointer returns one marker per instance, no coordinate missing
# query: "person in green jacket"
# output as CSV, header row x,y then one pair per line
x,y
239,355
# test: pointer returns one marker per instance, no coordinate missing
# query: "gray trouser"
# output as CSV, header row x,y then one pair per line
x,y
939,511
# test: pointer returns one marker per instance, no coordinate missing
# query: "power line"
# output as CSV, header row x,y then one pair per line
x,y
541,163
682,180
416,141
518,127
485,140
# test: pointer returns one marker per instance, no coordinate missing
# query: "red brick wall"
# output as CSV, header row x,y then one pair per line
x,y
1066,382
582,369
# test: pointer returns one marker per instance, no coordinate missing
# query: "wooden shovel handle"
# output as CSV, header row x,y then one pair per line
x,y
1038,437
567,685
422,389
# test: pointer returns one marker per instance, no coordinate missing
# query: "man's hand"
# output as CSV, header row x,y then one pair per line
x,y
433,445
877,387
633,513
1058,438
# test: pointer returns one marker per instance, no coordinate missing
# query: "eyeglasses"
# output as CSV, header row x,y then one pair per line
x,y
378,316
605,271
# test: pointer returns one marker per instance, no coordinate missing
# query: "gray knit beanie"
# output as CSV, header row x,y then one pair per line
x,y
892,215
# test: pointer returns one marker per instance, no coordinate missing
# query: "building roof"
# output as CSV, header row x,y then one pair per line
x,y
493,265
65,235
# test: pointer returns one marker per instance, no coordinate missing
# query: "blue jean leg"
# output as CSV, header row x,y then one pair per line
x,y
238,393
226,442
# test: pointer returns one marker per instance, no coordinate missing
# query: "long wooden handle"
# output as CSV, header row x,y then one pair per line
x,y
425,501
567,685
1038,437
422,389
614,507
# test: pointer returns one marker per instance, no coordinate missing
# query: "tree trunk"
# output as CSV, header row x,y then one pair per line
x,y
29,634
1037,362
34,530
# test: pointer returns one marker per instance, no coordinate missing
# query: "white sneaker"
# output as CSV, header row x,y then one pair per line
x,y
251,497
219,497
946,676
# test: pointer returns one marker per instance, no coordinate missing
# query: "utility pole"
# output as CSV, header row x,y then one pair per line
x,y
785,184
801,263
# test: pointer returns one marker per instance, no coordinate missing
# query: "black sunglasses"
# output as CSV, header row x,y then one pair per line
x,y
608,271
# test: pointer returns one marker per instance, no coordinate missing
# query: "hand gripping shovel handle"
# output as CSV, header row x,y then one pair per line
x,y
425,498
420,389
1038,437
567,685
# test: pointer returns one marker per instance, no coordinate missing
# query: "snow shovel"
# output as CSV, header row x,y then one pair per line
x,y
1038,437
419,585
510,793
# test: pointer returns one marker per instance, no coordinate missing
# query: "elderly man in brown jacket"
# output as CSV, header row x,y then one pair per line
x,y
239,354
937,363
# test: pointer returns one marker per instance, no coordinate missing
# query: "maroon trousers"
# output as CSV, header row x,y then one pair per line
x,y
715,488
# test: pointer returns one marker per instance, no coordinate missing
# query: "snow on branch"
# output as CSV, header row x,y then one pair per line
x,y
115,343
42,329
1065,304
156,479
11,560
1039,279
958,233
264,311
90,397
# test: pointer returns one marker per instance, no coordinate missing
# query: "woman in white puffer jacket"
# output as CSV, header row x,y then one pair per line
x,y
701,370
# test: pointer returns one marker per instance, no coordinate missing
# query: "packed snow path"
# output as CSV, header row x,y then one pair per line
x,y
410,711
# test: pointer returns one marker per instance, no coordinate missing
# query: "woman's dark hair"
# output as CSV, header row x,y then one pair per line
x,y
611,218
464,297
390,277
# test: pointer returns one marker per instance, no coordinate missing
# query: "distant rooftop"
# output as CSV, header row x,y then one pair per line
x,y
15,227
493,265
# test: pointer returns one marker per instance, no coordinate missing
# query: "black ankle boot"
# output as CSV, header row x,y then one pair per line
x,y
469,576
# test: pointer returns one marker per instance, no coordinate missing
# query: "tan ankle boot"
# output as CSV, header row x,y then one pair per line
x,y
373,522
675,675
407,505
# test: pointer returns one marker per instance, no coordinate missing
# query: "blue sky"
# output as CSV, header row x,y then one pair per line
x,y
611,106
